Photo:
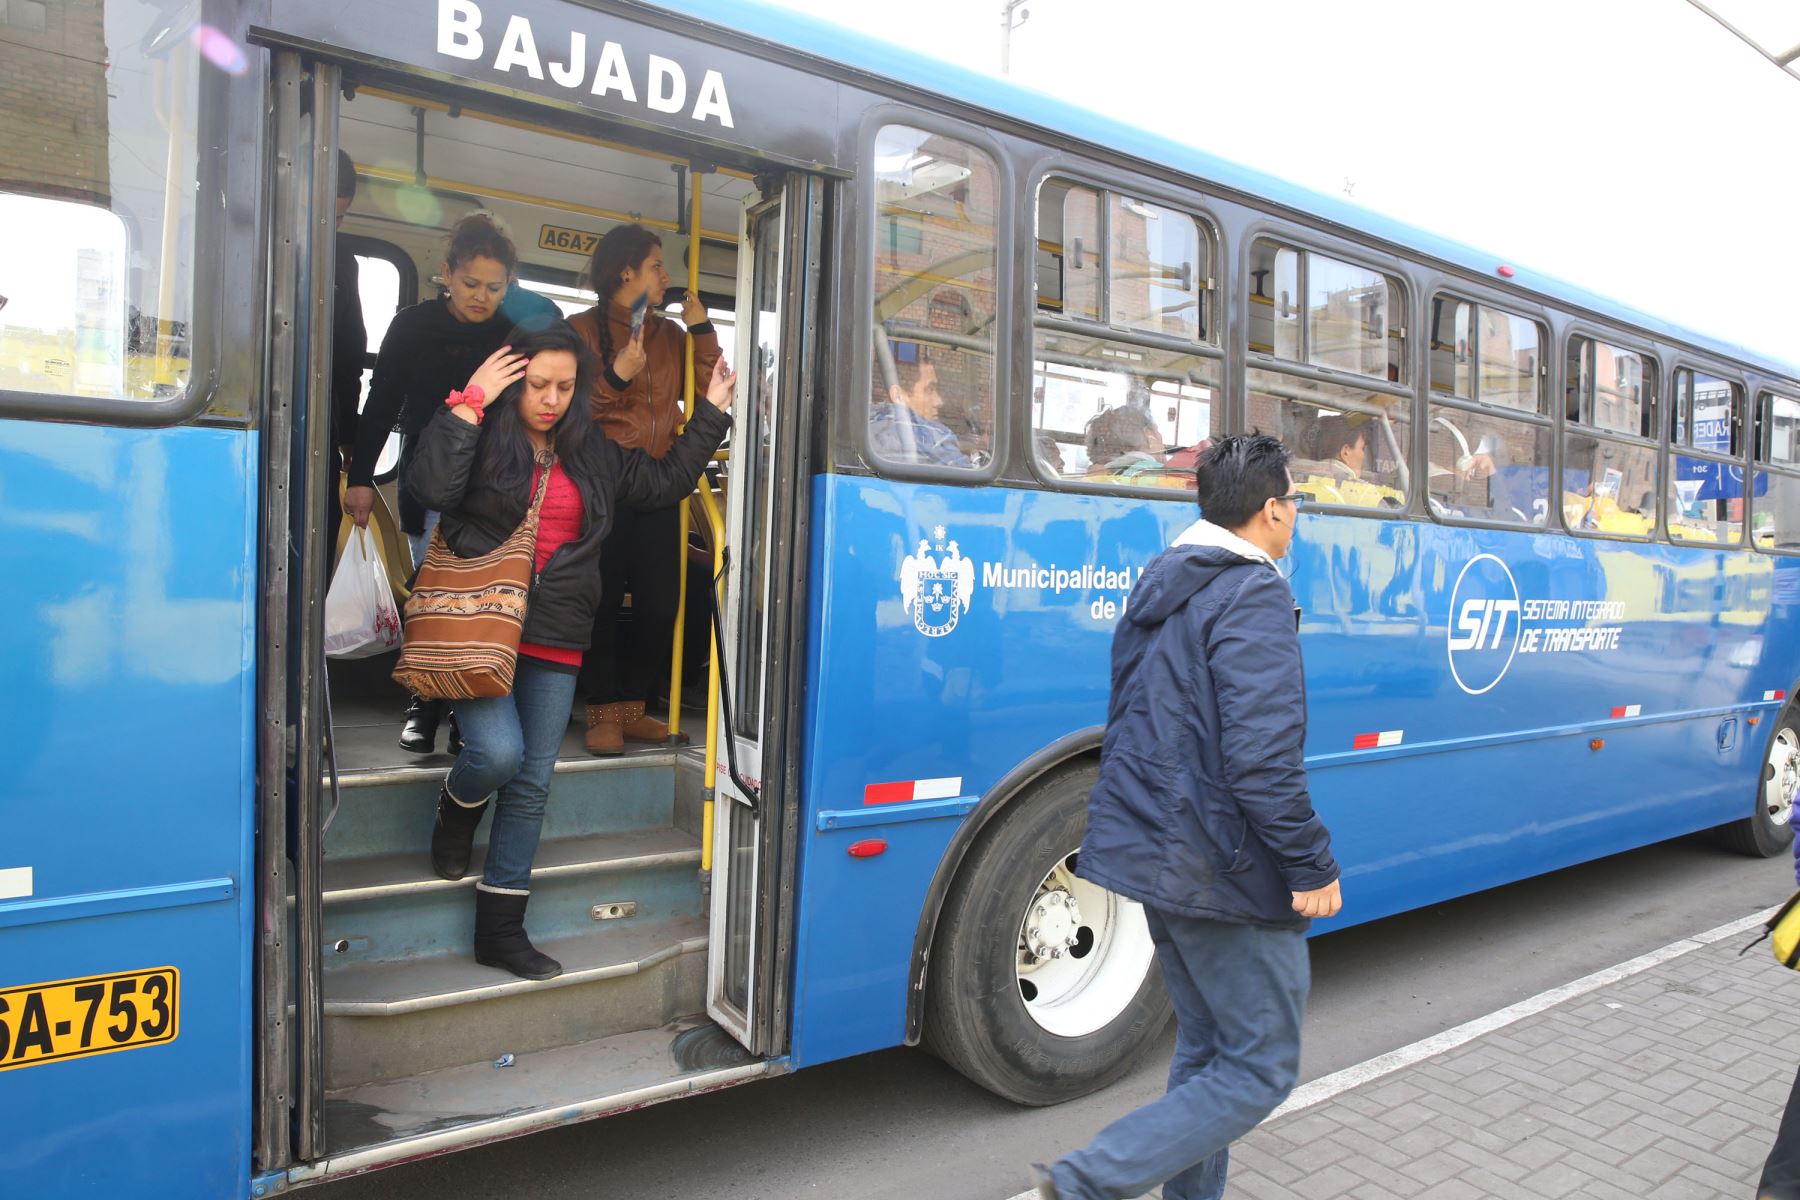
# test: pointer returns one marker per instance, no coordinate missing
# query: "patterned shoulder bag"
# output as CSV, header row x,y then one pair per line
x,y
465,615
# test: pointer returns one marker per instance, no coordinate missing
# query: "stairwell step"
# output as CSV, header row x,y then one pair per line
x,y
392,875
397,987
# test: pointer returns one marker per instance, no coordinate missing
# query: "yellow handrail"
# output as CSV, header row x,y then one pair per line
x,y
677,653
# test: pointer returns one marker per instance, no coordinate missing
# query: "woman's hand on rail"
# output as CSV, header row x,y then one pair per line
x,y
723,388
502,369
693,311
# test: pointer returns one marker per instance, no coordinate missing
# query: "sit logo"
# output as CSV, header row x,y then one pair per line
x,y
1483,633
937,590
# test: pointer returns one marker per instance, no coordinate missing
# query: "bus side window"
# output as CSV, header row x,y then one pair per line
x,y
1609,476
936,259
1489,436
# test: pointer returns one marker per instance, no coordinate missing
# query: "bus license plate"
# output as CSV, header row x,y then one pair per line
x,y
75,1018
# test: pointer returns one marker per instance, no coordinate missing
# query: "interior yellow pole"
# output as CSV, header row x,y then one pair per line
x,y
687,399
717,523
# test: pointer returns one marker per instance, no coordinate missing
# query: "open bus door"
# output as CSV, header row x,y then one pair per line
x,y
762,595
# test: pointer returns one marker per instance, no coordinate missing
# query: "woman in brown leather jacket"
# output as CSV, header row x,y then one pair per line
x,y
637,399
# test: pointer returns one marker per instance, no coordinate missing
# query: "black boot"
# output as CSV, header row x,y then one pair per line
x,y
422,717
453,741
453,836
500,939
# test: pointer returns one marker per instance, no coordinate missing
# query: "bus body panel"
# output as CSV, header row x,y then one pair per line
x,y
1433,779
129,643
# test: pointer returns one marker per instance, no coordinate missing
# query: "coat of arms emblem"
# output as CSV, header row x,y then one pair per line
x,y
936,589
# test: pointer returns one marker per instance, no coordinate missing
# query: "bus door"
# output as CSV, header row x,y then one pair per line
x,y
761,596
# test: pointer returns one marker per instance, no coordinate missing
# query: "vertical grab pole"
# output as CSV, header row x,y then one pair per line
x,y
687,410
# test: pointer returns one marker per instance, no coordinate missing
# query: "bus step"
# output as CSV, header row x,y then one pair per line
x,y
386,1020
627,1069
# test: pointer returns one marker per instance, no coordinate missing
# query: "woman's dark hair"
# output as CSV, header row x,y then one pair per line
x,y
506,455
479,236
346,177
1237,475
622,247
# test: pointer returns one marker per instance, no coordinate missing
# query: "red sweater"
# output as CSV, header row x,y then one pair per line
x,y
559,521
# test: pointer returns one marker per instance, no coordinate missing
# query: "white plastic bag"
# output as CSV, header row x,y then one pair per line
x,y
360,617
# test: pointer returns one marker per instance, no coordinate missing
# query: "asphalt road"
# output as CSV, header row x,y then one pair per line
x,y
899,1124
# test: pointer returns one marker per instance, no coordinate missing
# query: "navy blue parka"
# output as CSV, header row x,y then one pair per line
x,y
1202,805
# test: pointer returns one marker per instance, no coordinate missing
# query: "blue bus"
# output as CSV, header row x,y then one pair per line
x,y
1547,580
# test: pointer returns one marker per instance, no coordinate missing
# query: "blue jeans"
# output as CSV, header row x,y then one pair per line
x,y
420,542
1239,993
509,746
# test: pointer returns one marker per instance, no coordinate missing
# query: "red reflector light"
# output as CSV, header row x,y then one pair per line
x,y
868,847
1505,271
1597,744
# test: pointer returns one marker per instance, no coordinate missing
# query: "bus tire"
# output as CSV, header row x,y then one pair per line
x,y
1768,830
1068,1011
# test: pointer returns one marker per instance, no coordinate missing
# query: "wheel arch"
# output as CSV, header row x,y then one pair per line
x,y
1015,783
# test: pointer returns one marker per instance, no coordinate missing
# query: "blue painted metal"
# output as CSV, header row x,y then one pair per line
x,y
1484,789
100,904
891,814
129,644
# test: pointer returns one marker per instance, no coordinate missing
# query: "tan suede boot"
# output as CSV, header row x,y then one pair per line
x,y
606,728
640,727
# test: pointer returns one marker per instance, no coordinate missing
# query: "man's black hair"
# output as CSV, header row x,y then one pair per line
x,y
1237,475
346,177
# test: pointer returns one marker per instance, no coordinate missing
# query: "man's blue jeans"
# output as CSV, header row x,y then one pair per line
x,y
509,746
1239,993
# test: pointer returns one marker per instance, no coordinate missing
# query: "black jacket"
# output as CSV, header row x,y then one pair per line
x,y
442,472
1202,806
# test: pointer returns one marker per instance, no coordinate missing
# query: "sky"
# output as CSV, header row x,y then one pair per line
x,y
1633,147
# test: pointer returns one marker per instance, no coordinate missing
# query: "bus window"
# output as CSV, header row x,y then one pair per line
x,y
1109,412
1349,444
1775,516
935,300
1609,481
101,201
1274,300
1069,251
1346,326
1706,489
1116,397
1490,439
1156,274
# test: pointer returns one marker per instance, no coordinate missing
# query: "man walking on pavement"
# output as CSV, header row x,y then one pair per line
x,y
1202,814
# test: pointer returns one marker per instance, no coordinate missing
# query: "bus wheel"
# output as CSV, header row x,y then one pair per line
x,y
1042,986
1768,831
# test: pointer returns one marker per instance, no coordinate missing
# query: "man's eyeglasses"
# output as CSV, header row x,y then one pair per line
x,y
1298,499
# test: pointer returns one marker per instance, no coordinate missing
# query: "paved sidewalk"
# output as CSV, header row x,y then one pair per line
x,y
1663,1085
1660,1079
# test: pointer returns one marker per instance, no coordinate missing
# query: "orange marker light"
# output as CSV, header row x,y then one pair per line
x,y
1597,744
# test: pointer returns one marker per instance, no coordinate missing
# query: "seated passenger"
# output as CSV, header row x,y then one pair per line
x,y
905,428
1343,446
1123,443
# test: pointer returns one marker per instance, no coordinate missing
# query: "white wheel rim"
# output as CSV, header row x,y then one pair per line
x,y
1082,953
1783,777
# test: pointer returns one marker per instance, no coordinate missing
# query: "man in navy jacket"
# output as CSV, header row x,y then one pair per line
x,y
1202,814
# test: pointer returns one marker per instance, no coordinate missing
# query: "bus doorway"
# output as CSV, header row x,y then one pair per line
x,y
403,1044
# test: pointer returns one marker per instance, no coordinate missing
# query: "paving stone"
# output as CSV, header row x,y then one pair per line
x,y
1664,1086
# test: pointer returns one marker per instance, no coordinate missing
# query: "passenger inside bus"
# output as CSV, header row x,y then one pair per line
x,y
637,399
905,426
1123,444
429,351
